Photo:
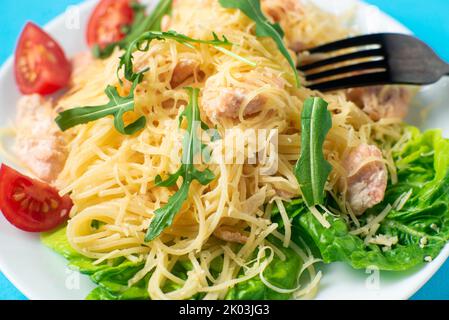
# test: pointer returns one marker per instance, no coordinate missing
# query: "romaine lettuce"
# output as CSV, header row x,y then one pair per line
x,y
112,279
422,225
280,273
422,228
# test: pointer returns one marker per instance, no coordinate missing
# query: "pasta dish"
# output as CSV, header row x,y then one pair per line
x,y
185,157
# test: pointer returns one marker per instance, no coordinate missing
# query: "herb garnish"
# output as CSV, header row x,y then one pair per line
x,y
142,43
191,147
141,23
312,169
264,28
117,106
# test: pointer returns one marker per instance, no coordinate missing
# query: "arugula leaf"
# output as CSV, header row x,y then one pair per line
x,y
191,146
312,170
421,225
142,43
264,28
141,23
117,107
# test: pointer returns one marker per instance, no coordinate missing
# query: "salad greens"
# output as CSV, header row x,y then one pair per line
x,y
141,23
112,279
421,225
312,169
264,28
283,274
191,147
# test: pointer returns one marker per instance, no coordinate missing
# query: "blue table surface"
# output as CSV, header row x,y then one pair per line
x,y
427,19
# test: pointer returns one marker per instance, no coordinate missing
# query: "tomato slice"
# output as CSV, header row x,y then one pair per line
x,y
108,20
40,64
29,204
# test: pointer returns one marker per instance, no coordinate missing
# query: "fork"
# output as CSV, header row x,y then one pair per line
x,y
375,59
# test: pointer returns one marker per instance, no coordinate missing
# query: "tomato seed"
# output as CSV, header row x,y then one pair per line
x,y
54,204
25,203
45,207
18,197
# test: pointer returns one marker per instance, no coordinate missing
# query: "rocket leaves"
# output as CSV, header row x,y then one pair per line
x,y
191,147
264,28
312,170
117,107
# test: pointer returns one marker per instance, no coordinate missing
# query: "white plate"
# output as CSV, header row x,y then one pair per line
x,y
41,274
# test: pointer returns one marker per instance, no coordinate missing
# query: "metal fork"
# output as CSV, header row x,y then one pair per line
x,y
375,59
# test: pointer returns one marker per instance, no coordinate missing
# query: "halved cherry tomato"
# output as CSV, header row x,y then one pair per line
x,y
107,22
40,64
29,204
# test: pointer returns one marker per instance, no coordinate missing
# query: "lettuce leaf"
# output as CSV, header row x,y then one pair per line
x,y
422,228
422,225
112,279
280,273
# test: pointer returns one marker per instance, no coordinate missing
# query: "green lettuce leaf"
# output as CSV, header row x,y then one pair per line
x,y
280,273
422,225
112,279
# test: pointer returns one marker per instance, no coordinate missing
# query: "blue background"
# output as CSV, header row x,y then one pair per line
x,y
428,19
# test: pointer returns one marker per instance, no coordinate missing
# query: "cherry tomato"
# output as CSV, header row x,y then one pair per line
x,y
40,63
107,22
29,204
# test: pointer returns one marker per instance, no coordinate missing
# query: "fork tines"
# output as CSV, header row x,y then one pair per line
x,y
375,59
364,63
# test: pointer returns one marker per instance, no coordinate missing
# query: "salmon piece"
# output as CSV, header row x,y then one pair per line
x,y
367,178
230,234
381,102
279,11
39,143
221,101
184,70
227,103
